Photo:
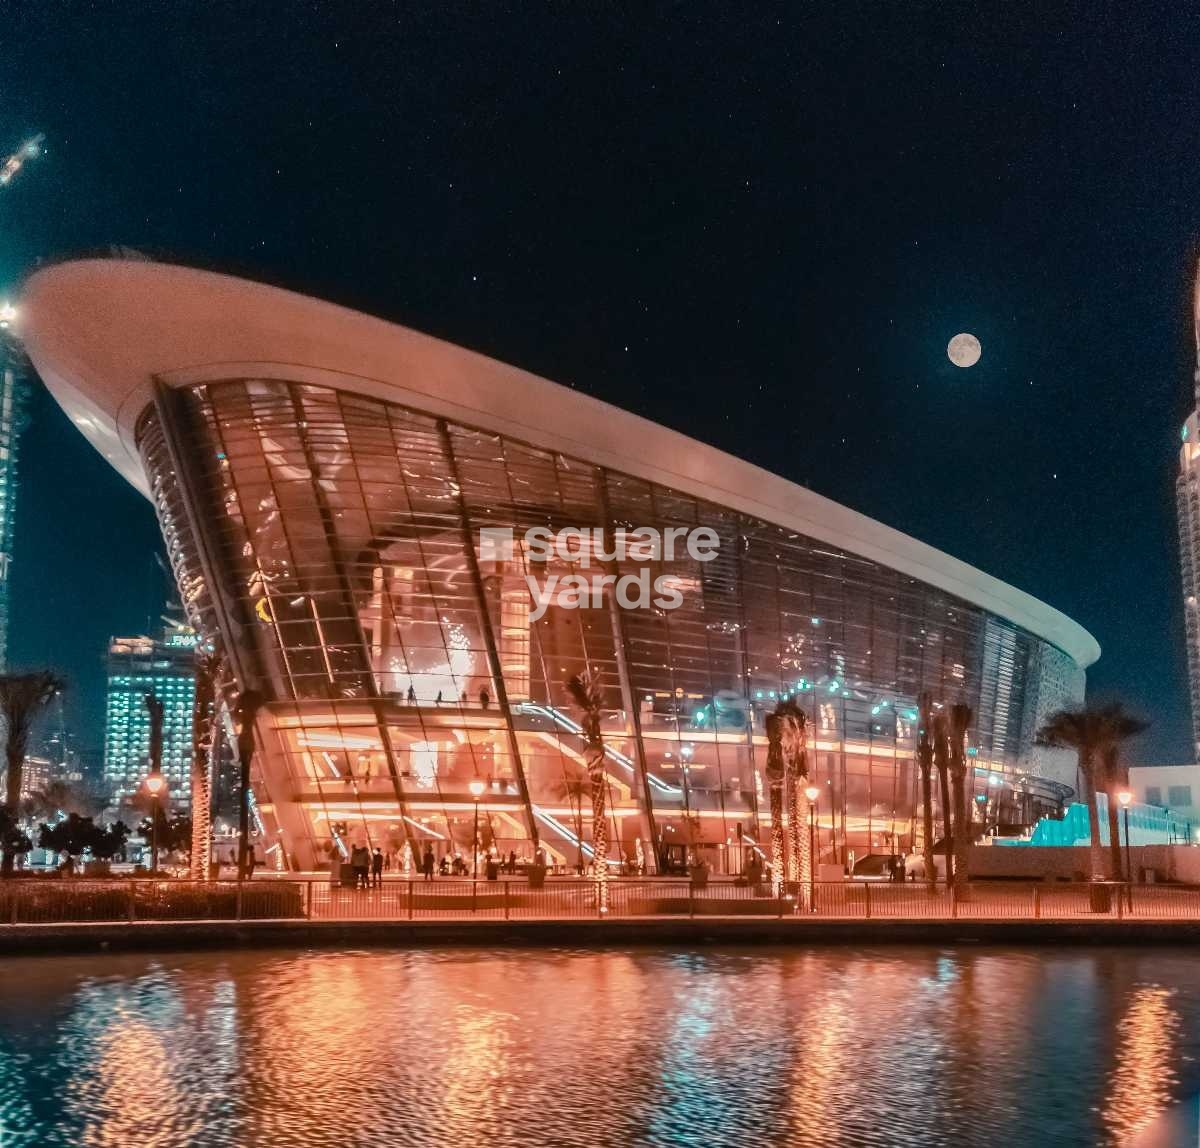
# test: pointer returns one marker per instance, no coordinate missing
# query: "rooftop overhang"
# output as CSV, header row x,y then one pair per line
x,y
100,332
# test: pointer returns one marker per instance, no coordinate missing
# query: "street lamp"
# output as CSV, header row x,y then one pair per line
x,y
154,784
1125,797
812,793
476,785
685,753
994,782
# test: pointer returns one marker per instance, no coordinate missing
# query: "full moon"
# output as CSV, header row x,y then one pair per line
x,y
964,350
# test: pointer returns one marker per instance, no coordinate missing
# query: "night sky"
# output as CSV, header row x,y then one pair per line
x,y
758,227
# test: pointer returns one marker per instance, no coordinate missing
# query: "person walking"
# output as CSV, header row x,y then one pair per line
x,y
377,868
754,874
427,862
512,862
485,699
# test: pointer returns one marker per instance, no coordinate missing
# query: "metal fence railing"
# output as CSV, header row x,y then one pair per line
x,y
49,900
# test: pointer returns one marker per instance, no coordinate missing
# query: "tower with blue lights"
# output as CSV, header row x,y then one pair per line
x,y
14,396
163,666
1187,507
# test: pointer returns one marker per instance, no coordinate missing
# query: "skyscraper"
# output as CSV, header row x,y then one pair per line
x,y
163,666
14,391
1187,507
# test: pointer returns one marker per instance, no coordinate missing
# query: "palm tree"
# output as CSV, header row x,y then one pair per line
x,y
571,790
776,776
960,721
925,766
204,730
587,695
155,709
1090,731
1116,776
249,702
59,797
22,697
941,759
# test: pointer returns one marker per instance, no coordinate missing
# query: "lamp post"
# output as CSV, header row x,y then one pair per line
x,y
154,785
812,793
994,782
476,785
1125,797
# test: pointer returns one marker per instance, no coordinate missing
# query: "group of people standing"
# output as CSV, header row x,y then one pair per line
x,y
367,865
457,866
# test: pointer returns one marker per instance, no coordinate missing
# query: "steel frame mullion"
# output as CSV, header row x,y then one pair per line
x,y
485,619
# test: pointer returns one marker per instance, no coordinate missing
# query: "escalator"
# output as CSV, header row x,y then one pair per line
x,y
563,722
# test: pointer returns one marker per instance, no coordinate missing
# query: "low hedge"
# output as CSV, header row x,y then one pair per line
x,y
44,901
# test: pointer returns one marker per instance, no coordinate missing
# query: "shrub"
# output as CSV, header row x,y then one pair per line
x,y
45,901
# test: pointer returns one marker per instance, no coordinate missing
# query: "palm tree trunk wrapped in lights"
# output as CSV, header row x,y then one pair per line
x,y
795,756
797,823
204,722
776,771
960,721
925,766
587,695
22,697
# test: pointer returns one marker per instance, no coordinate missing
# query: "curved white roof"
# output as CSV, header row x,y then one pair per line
x,y
99,332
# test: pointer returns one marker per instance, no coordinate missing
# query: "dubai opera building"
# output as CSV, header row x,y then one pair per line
x,y
330,486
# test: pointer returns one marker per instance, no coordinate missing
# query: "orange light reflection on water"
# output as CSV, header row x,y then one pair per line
x,y
1140,1084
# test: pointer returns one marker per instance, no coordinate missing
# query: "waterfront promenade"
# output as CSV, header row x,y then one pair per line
x,y
843,900
48,915
315,898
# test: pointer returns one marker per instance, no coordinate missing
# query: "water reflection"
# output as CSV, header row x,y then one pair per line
x,y
746,1046
1145,1074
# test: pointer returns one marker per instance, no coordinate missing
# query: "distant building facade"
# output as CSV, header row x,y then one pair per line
x,y
35,776
57,744
1172,787
165,667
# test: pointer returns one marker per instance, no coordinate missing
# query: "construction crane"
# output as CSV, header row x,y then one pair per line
x,y
30,149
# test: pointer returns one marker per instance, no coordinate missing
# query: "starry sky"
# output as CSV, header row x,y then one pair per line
x,y
755,224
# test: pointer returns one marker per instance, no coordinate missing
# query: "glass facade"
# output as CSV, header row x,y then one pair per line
x,y
329,544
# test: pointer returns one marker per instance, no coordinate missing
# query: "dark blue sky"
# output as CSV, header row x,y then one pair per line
x,y
756,225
